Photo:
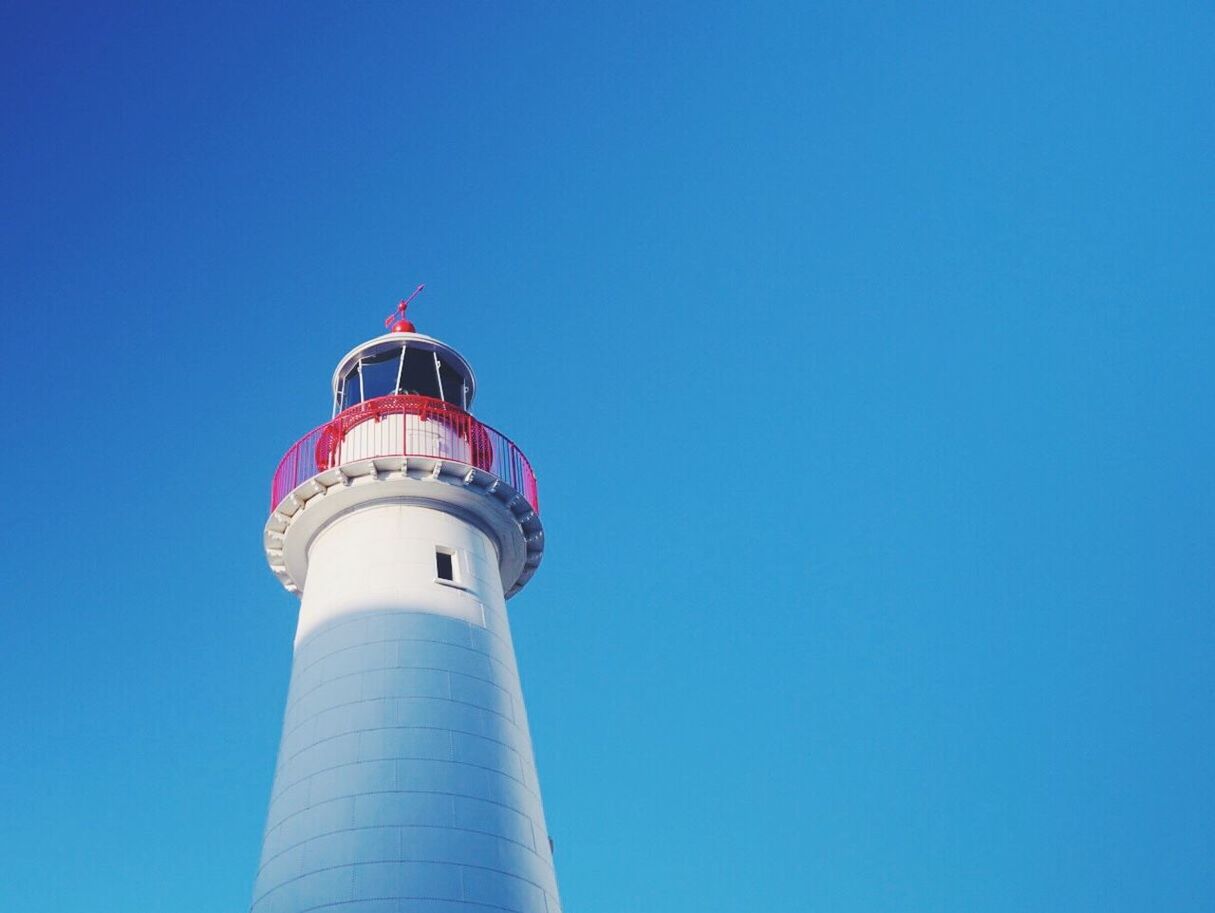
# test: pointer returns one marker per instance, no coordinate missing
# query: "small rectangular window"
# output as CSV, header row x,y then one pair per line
x,y
443,564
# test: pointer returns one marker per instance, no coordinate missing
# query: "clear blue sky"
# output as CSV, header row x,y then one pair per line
x,y
864,352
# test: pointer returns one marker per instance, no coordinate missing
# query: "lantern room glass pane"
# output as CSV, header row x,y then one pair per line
x,y
380,374
419,377
350,388
452,384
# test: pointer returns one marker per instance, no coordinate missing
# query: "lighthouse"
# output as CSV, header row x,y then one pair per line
x,y
405,779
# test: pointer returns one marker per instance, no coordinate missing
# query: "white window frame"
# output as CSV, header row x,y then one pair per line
x,y
459,568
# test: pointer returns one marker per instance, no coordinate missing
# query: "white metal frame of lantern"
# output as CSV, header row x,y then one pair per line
x,y
406,342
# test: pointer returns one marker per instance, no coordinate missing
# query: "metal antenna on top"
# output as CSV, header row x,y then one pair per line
x,y
402,325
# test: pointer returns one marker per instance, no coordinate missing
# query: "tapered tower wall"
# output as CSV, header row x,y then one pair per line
x,y
405,778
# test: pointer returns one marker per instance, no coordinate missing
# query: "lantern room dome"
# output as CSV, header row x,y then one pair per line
x,y
403,363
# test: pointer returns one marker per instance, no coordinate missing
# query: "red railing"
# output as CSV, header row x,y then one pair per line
x,y
404,426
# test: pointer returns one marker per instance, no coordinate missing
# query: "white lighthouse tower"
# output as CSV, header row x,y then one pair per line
x,y
405,777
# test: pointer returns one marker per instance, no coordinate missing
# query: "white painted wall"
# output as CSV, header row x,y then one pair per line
x,y
382,556
406,778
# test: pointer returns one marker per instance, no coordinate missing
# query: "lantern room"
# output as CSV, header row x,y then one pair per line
x,y
403,363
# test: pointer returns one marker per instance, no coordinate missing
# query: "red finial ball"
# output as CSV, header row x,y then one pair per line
x,y
402,325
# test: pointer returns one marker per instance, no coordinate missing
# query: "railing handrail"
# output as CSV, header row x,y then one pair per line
x,y
488,448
